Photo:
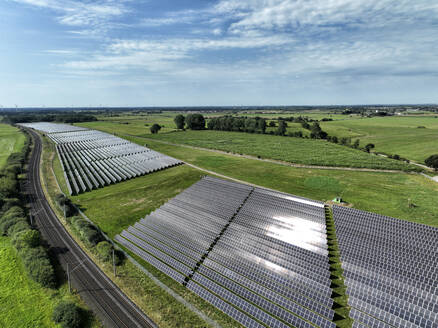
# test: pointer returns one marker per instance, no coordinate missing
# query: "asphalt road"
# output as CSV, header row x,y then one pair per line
x,y
103,297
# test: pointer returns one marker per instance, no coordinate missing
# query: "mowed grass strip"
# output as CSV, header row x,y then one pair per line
x,y
115,207
294,150
406,196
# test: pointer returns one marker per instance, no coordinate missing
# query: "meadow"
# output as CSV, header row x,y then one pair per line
x,y
412,137
294,150
11,140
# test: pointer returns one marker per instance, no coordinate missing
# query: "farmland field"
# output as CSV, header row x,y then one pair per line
x,y
10,141
294,150
412,137
384,193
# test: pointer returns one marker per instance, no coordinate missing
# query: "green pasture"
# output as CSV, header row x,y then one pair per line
x,y
11,140
393,135
294,150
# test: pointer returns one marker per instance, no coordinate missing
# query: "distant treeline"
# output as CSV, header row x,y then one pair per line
x,y
37,117
238,124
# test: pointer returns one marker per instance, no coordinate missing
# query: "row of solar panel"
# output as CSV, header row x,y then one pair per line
x,y
47,127
92,159
253,276
390,269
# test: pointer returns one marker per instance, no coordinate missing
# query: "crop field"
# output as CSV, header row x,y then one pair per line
x,y
406,196
413,137
294,150
393,135
10,141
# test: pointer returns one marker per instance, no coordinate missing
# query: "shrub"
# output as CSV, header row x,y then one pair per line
x,y
8,186
26,238
105,250
68,315
6,224
13,212
155,128
41,271
18,227
8,203
87,231
432,161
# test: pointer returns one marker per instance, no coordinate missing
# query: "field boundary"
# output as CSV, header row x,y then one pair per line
x,y
268,160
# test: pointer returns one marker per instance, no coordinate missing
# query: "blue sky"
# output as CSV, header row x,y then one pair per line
x,y
217,52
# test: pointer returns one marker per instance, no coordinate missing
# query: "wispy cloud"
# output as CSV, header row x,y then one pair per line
x,y
81,14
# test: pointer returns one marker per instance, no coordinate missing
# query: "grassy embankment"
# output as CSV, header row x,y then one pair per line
x,y
23,302
114,208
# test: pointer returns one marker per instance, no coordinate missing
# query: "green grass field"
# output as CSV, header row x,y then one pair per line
x,y
294,150
23,303
392,135
383,193
11,140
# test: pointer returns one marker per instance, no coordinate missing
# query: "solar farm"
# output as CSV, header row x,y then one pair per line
x,y
259,256
92,159
390,269
262,256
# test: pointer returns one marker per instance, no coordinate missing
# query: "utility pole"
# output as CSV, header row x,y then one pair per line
x,y
114,264
68,278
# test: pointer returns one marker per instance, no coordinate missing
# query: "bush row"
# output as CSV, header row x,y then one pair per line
x,y
90,235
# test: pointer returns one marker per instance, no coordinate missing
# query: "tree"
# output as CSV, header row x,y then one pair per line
x,y
272,124
356,144
195,122
155,128
368,147
432,161
179,121
68,315
281,130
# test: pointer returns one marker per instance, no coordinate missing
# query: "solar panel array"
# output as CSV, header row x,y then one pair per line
x,y
257,255
390,269
92,159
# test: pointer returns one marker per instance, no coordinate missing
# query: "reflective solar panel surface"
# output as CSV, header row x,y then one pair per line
x,y
92,159
390,269
258,255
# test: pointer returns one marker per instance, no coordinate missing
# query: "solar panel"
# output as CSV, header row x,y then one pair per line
x,y
389,269
259,256
77,146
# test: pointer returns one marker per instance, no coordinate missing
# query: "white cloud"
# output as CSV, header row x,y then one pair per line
x,y
76,13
